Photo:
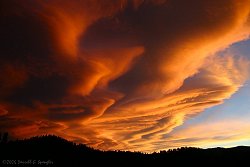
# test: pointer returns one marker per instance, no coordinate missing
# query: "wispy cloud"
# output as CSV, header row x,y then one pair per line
x,y
117,74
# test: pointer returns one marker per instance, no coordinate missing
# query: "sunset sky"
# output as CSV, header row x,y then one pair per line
x,y
138,75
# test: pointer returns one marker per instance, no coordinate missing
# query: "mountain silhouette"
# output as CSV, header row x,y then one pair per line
x,y
50,150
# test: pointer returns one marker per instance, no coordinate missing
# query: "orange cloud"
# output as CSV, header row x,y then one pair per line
x,y
142,124
69,20
211,134
3,111
113,74
13,76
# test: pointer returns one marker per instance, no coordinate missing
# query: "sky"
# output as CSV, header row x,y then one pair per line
x,y
138,75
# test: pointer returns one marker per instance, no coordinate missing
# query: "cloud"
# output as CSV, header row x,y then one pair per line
x,y
3,111
117,74
211,134
143,124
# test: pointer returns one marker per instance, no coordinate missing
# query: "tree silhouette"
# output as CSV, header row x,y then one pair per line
x,y
5,137
64,153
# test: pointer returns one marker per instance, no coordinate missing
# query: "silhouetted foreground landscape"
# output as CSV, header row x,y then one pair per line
x,y
55,151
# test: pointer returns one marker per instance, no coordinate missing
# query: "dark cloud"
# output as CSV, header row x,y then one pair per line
x,y
111,73
163,29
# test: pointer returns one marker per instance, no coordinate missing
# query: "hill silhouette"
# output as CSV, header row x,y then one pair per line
x,y
50,150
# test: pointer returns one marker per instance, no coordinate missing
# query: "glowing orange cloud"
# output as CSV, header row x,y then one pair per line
x,y
69,20
141,125
209,135
113,74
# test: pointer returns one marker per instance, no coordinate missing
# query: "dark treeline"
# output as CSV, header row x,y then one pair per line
x,y
50,150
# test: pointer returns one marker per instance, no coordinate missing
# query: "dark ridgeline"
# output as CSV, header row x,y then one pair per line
x,y
64,153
